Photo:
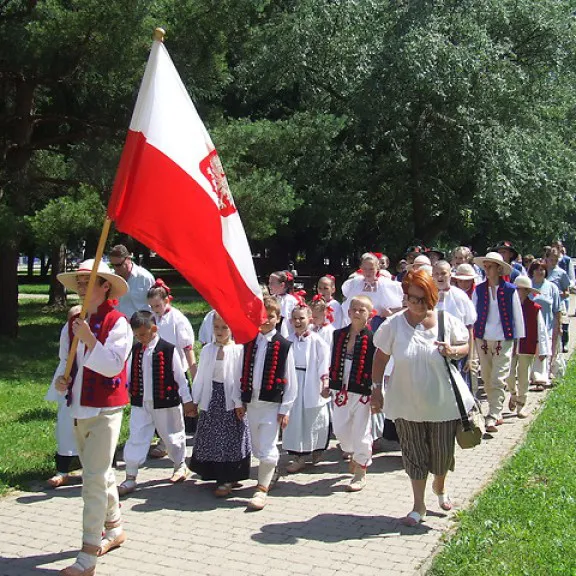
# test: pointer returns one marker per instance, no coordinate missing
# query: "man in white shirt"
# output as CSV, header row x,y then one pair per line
x,y
139,281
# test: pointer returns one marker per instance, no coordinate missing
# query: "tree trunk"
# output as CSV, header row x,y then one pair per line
x,y
9,290
44,263
30,271
57,296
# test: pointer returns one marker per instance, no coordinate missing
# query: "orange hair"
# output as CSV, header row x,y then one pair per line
x,y
421,279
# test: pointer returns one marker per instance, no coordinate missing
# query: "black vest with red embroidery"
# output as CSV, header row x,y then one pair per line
x,y
360,380
165,392
274,373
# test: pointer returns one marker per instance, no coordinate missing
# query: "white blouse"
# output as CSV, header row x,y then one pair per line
x,y
419,389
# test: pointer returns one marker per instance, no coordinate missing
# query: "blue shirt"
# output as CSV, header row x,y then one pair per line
x,y
549,299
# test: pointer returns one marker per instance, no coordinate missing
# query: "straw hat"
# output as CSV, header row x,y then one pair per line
x,y
419,261
119,287
525,282
497,259
464,272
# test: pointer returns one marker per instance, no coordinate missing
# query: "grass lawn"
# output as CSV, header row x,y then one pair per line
x,y
523,523
26,420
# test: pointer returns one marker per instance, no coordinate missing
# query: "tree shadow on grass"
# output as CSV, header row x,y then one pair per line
x,y
38,413
332,528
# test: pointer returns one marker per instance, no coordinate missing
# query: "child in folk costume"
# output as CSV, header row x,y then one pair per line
x,y
222,442
385,294
281,286
66,445
351,379
326,288
96,394
269,387
172,325
321,320
158,385
308,431
535,342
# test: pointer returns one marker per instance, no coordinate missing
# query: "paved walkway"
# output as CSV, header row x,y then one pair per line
x,y
310,526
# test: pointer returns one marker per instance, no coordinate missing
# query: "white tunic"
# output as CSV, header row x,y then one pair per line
x,y
337,313
325,332
386,294
176,329
456,302
107,359
419,389
231,368
139,282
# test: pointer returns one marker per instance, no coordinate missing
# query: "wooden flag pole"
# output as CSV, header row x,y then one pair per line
x,y
89,290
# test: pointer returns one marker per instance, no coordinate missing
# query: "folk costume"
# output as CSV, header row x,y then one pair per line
x,y
222,442
334,313
65,443
326,332
157,387
268,388
287,303
499,324
96,396
176,329
308,427
351,381
206,332
383,293
535,342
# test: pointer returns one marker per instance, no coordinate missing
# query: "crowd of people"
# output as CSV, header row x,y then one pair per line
x,y
371,366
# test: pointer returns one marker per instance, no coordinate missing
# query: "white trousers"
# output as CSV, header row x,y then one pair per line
x,y
495,363
65,441
143,421
352,425
96,439
263,424
519,379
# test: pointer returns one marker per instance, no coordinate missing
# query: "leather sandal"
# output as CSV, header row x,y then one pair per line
x,y
223,490
413,519
58,480
112,543
77,569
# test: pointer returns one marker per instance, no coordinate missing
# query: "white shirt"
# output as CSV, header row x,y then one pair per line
x,y
386,294
179,376
107,359
291,386
493,330
176,329
139,282
337,313
419,388
326,332
312,353
228,373
456,302
287,304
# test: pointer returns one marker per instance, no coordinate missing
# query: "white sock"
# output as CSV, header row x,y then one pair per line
x,y
112,533
266,473
85,560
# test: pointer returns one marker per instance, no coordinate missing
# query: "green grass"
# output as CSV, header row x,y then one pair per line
x,y
523,523
26,420
34,289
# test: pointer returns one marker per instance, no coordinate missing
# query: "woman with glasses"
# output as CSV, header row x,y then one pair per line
x,y
419,396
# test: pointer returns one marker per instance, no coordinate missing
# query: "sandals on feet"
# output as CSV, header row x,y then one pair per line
x,y
444,501
413,519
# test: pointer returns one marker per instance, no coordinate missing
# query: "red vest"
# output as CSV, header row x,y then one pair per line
x,y
98,391
530,311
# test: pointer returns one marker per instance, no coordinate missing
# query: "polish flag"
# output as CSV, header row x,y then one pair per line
x,y
171,194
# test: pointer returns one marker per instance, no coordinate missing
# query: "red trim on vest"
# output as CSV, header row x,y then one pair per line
x,y
530,311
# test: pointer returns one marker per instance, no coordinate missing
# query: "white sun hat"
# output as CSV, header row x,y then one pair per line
x,y
497,259
118,285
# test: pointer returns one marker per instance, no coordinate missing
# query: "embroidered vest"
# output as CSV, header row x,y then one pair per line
x,y
360,380
273,374
530,311
504,295
165,391
99,391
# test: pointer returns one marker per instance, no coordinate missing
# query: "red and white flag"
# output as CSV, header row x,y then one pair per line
x,y
171,194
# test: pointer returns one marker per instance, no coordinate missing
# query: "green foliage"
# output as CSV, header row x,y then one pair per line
x,y
523,523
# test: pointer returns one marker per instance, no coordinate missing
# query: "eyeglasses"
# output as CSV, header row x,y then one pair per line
x,y
415,299
118,264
